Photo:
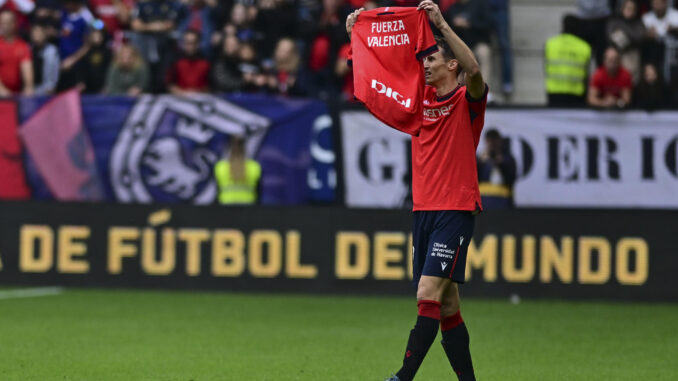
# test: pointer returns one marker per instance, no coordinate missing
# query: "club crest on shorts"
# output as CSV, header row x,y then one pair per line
x,y
169,145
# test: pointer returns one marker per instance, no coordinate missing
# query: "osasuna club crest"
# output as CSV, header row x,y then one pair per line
x,y
150,155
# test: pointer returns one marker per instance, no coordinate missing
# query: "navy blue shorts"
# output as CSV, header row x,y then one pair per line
x,y
440,243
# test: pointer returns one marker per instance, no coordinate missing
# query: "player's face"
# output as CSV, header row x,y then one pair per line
x,y
436,69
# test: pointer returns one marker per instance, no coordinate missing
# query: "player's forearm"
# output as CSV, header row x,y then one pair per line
x,y
461,51
594,99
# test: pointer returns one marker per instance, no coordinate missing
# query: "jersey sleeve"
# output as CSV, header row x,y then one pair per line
x,y
476,110
25,53
597,80
426,43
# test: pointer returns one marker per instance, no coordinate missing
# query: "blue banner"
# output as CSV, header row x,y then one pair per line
x,y
163,148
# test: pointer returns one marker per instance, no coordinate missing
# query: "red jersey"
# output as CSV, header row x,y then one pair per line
x,y
387,45
189,73
607,85
108,13
12,54
444,172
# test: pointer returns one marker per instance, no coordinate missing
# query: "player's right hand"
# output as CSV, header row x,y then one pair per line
x,y
351,19
433,12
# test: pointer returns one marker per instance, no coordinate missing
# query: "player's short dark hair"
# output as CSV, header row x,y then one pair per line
x,y
444,48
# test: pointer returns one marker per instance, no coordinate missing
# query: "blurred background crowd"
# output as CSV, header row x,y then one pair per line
x,y
611,54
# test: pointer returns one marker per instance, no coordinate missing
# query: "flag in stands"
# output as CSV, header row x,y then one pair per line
x,y
57,142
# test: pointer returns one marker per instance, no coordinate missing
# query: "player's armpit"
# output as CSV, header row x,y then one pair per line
x,y
472,98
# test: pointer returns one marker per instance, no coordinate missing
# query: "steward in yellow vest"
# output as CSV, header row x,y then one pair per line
x,y
566,62
237,178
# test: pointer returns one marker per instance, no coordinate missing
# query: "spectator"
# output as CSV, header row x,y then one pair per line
x,y
238,177
241,21
650,94
327,32
220,15
95,63
626,32
128,75
659,23
197,16
16,68
254,79
75,22
289,78
21,9
566,63
593,15
496,172
500,16
344,73
45,61
472,20
115,15
48,14
189,73
274,18
226,76
611,84
153,21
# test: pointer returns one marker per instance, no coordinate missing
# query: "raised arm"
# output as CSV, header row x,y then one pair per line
x,y
474,79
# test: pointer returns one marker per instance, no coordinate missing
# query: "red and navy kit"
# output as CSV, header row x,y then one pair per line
x,y
387,45
445,183
444,173
440,240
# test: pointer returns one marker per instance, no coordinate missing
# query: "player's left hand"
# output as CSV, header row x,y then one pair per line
x,y
433,12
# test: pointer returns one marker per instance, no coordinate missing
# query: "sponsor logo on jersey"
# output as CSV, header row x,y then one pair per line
x,y
390,93
437,112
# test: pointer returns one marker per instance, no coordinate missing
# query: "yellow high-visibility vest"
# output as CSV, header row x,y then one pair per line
x,y
566,61
237,192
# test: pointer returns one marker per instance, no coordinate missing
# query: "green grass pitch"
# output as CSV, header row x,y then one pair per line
x,y
98,335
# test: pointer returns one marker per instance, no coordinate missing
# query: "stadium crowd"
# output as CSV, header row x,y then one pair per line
x,y
633,48
300,47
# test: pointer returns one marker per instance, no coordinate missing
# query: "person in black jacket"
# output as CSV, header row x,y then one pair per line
x,y
651,93
496,172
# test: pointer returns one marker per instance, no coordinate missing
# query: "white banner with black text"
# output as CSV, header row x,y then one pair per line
x,y
564,158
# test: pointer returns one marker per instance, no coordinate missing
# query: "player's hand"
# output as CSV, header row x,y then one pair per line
x,y
351,19
433,12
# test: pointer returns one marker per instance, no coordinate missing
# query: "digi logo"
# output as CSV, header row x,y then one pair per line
x,y
389,92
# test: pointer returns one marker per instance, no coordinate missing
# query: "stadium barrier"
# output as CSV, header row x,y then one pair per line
x,y
574,254
162,148
565,158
